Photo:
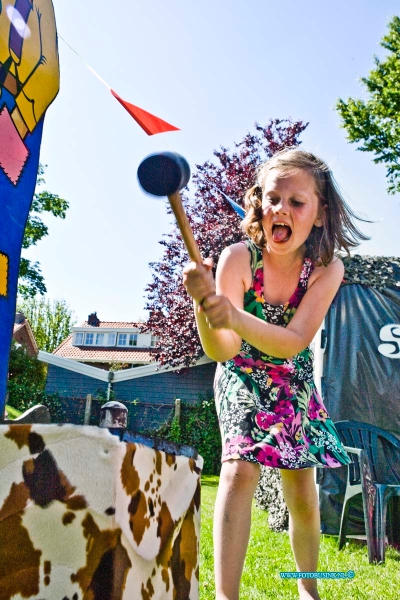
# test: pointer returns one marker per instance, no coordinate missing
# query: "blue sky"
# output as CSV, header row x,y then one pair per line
x,y
212,68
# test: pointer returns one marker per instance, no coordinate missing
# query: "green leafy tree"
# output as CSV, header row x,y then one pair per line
x,y
26,378
26,385
50,321
375,122
31,280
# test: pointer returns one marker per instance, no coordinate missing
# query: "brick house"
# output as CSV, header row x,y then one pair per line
x,y
116,360
23,334
108,344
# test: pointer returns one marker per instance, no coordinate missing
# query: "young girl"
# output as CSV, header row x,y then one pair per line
x,y
257,320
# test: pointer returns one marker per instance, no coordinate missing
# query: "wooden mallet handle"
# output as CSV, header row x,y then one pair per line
x,y
184,227
164,174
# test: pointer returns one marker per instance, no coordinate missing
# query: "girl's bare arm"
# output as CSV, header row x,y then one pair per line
x,y
274,340
220,344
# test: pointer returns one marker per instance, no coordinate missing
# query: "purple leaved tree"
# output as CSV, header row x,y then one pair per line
x,y
215,225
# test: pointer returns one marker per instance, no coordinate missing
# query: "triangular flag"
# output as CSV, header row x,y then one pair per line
x,y
236,207
150,123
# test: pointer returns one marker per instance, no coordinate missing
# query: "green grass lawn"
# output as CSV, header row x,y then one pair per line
x,y
269,553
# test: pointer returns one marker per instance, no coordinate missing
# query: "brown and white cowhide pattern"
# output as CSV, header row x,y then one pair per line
x,y
85,516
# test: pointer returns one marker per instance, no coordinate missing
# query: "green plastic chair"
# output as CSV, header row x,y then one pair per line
x,y
375,474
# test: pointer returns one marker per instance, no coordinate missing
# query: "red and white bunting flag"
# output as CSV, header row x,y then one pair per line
x,y
148,122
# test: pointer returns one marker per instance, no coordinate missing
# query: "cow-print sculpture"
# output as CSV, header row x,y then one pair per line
x,y
85,516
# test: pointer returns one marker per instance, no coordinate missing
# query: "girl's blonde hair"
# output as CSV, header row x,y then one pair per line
x,y
338,231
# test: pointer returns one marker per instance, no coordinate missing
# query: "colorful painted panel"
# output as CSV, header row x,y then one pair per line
x,y
29,82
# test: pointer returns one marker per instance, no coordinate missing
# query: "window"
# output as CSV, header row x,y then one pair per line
x,y
89,339
133,339
111,339
78,339
154,341
100,339
122,337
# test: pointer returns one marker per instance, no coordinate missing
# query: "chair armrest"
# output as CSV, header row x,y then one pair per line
x,y
354,469
352,450
365,475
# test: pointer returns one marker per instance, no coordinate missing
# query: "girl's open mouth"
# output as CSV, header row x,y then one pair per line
x,y
281,232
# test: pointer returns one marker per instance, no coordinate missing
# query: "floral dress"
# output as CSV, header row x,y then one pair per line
x,y
269,409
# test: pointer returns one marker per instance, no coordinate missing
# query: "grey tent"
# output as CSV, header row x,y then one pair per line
x,y
359,364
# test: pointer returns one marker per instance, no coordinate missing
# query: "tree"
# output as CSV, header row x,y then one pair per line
x,y
215,225
50,321
31,280
26,378
376,122
27,382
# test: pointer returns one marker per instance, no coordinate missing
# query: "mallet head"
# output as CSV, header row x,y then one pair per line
x,y
163,173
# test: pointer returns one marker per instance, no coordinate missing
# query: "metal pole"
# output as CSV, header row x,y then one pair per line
x,y
110,378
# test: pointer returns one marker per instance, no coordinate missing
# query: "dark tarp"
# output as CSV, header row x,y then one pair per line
x,y
359,382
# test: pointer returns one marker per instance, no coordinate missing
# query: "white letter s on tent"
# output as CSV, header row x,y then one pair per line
x,y
390,334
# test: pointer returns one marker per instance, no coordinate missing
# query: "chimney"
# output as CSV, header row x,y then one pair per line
x,y
19,318
93,320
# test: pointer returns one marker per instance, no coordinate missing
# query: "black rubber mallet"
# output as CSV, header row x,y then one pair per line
x,y
165,174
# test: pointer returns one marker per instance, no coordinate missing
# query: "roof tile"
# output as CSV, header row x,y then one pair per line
x,y
114,324
106,354
102,354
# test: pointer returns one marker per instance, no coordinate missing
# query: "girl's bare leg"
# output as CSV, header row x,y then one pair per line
x,y
232,518
300,493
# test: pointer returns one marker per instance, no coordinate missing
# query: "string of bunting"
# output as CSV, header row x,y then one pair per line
x,y
148,122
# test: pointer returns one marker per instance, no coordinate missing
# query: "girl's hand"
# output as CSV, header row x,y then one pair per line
x,y
220,312
198,280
